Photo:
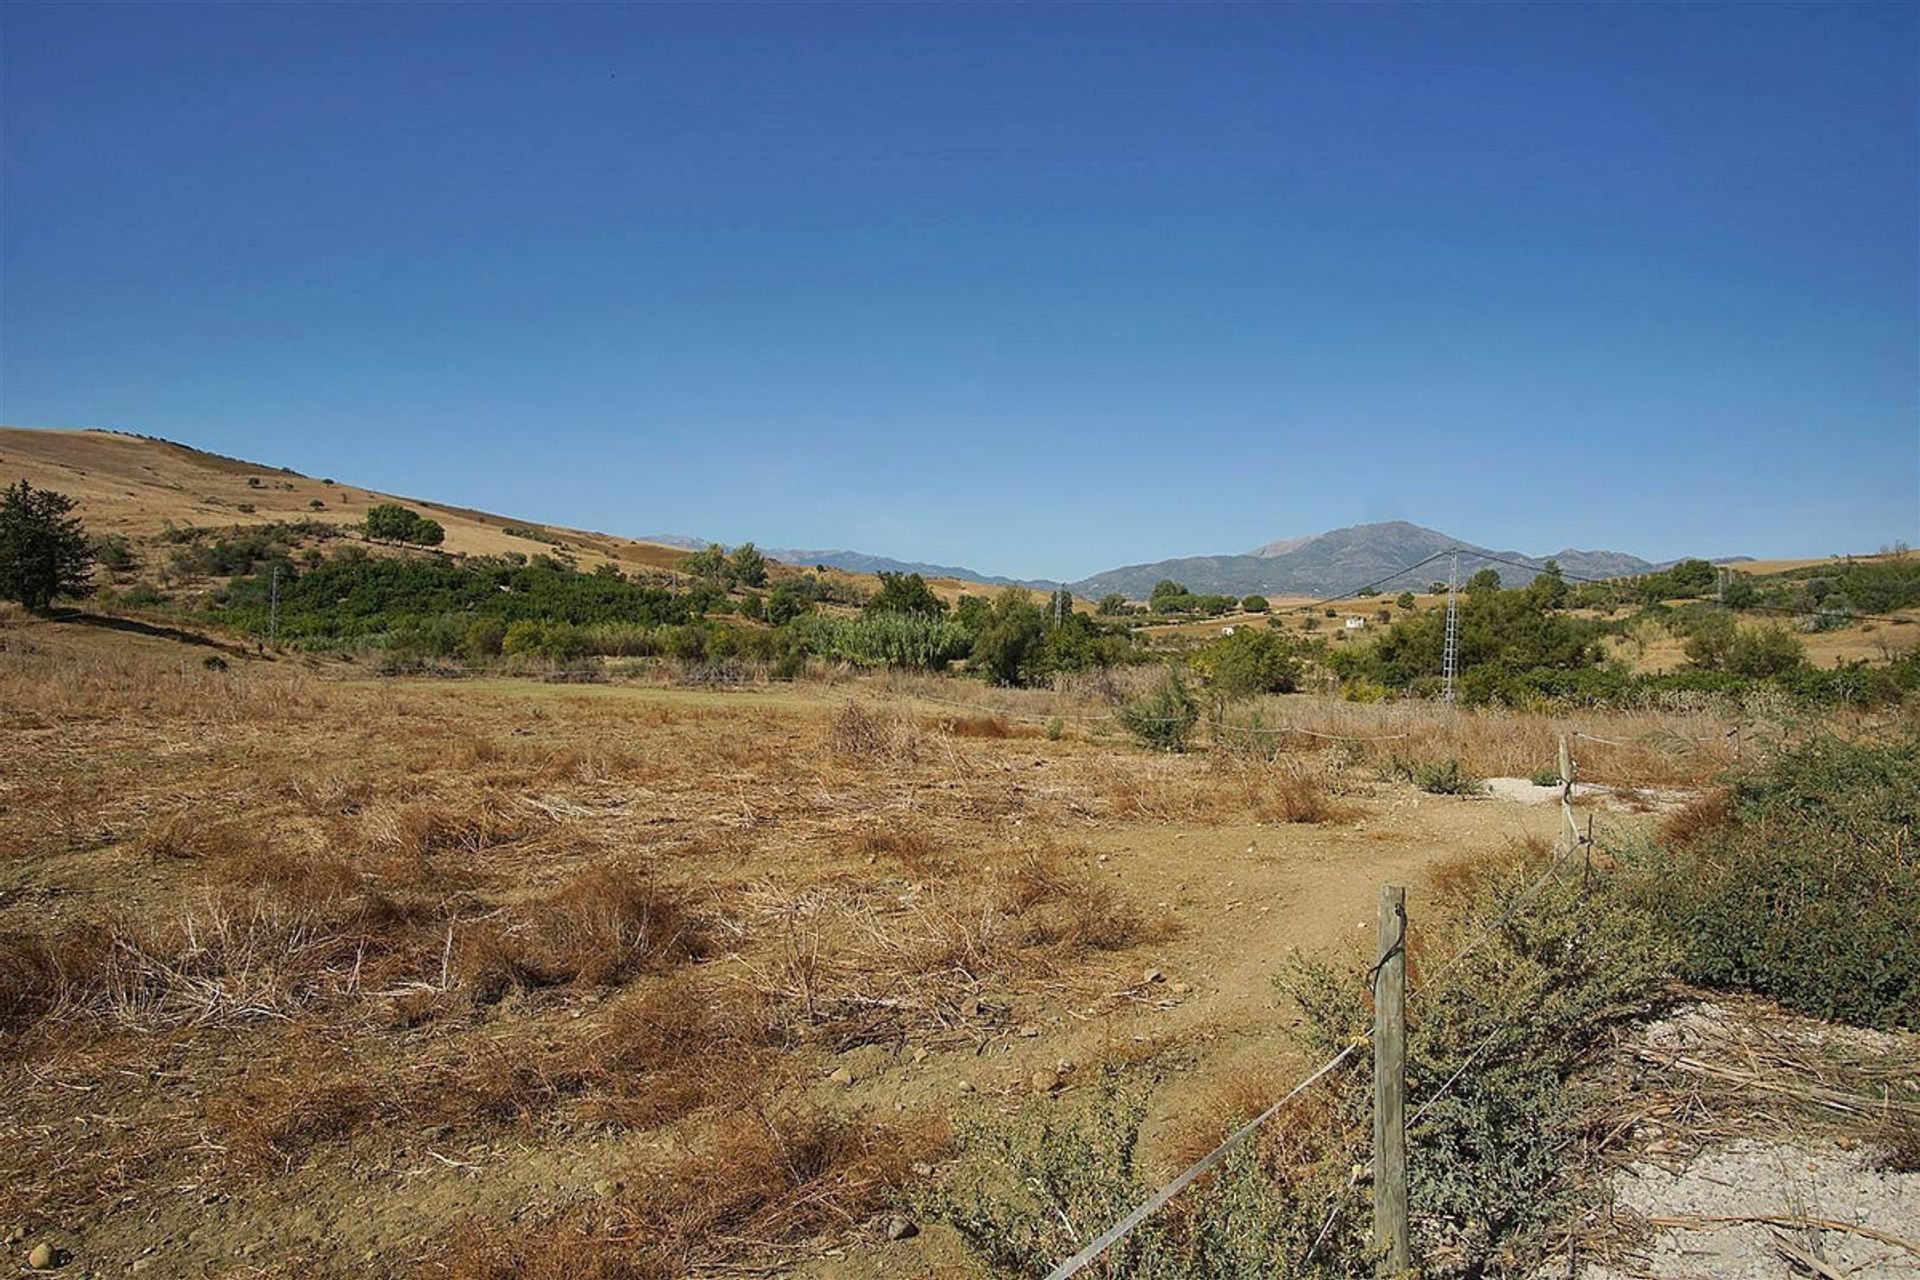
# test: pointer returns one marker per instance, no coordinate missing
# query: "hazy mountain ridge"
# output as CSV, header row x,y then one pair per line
x,y
862,562
1343,560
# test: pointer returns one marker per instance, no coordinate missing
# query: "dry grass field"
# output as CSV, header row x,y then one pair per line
x,y
304,973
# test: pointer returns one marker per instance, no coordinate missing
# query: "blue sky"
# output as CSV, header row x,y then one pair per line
x,y
1037,290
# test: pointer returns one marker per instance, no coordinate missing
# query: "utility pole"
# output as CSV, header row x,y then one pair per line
x,y
1390,1087
273,610
1450,658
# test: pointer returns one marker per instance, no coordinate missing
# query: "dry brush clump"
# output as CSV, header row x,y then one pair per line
x,y
867,736
863,963
607,923
765,1180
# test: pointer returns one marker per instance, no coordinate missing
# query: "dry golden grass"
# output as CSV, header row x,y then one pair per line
x,y
275,920
1698,817
767,1178
360,913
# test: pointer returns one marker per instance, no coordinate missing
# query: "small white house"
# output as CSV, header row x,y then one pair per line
x,y
1356,624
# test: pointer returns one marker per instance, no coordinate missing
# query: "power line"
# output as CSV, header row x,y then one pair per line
x,y
1377,582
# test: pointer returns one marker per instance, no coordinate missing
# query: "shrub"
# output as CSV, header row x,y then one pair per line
x,y
1765,651
113,552
906,640
749,566
1164,718
1508,1032
1248,663
1804,887
1254,604
394,523
1005,649
906,593
1437,777
1027,1187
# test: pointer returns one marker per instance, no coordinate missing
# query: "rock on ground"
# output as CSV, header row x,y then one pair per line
x,y
1754,1178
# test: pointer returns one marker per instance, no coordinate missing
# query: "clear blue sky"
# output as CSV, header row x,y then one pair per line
x,y
1038,290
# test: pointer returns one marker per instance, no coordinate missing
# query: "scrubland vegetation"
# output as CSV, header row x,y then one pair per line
x,y
779,908
731,953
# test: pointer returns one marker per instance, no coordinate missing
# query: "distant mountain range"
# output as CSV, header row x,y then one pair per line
x,y
1344,560
1320,564
861,562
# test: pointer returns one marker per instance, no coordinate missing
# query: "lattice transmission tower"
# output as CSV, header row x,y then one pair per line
x,y
1450,657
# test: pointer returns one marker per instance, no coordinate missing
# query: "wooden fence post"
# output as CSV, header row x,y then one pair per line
x,y
1390,1086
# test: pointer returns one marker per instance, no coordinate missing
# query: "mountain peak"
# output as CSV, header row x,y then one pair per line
x,y
1389,553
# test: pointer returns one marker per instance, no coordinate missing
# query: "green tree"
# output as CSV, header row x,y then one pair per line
x,y
1405,601
1010,638
749,566
1692,577
1484,581
1168,596
906,593
1254,604
1711,641
43,547
426,533
391,521
1550,586
1765,651
974,614
786,602
1113,605
709,566
1249,662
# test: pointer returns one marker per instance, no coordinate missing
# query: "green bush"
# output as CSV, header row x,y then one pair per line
x,y
1028,1188
1446,777
1164,718
1765,651
907,640
1254,604
749,566
1507,1032
392,522
906,593
1809,888
1248,663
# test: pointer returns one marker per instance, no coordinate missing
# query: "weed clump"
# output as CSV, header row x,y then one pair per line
x,y
1443,777
1164,718
862,735
766,1179
604,925
1029,1189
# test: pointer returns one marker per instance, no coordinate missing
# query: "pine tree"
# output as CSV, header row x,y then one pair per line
x,y
43,548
